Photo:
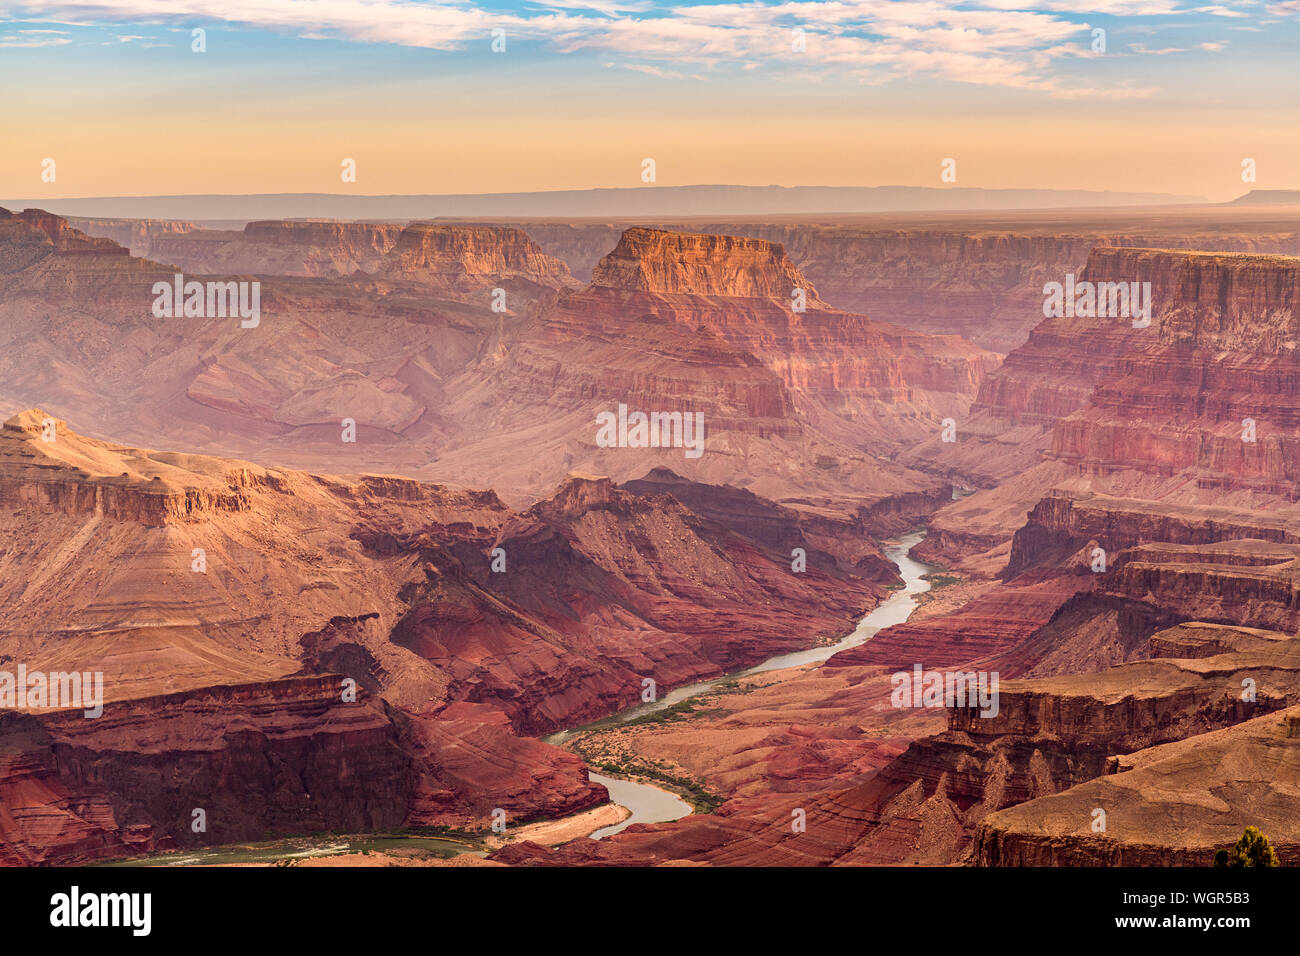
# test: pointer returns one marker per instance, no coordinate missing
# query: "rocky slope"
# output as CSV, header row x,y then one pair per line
x,y
1230,324
225,604
1024,787
285,756
657,261
705,601
438,382
448,255
794,403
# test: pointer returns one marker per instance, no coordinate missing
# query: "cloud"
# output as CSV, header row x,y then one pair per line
x,y
652,70
1163,51
1219,11
608,7
984,42
15,42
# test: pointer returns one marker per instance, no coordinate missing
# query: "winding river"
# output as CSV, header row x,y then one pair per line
x,y
651,804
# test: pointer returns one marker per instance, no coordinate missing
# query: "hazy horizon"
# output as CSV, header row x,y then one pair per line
x,y
632,202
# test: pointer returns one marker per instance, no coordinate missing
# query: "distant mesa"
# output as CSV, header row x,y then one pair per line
x,y
642,201
1273,196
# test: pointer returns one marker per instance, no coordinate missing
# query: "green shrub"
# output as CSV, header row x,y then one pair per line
x,y
1253,849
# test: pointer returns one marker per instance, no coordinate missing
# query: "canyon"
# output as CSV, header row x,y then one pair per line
x,y
385,628
467,340
1138,595
230,607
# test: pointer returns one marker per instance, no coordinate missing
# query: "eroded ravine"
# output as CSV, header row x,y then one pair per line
x,y
649,803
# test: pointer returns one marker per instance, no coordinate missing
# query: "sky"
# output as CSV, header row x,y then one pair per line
x,y
461,97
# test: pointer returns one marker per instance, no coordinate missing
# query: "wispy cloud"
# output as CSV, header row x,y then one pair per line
x,y
651,70
982,42
34,39
1163,51
607,7
1221,11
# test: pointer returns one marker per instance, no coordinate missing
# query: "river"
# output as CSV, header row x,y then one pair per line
x,y
651,804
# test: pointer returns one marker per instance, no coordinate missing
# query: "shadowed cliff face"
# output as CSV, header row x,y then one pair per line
x,y
278,757
706,597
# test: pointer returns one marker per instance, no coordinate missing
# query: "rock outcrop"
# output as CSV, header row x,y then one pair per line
x,y
1171,805
145,238
196,587
469,256
279,757
418,362
1212,396
656,261
1197,409
793,402
848,364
